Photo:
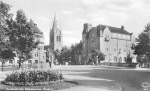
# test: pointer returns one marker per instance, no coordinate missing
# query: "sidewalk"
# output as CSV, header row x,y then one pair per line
x,y
126,68
83,88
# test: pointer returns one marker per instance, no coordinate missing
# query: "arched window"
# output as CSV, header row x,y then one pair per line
x,y
59,38
120,59
115,59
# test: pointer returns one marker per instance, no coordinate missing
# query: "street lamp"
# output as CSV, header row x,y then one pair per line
x,y
97,59
52,63
63,61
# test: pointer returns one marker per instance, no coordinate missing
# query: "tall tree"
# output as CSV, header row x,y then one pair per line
x,y
4,13
142,48
21,36
5,55
5,49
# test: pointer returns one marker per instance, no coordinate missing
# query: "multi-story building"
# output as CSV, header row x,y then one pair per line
x,y
114,42
38,54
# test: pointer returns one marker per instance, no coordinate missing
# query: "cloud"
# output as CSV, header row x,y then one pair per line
x,y
42,18
70,40
68,32
92,2
67,12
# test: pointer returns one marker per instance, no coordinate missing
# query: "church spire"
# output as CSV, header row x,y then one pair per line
x,y
55,22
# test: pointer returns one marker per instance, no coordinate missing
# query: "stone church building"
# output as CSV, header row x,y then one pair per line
x,y
114,42
55,36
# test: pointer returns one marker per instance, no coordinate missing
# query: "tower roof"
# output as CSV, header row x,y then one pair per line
x,y
55,22
114,29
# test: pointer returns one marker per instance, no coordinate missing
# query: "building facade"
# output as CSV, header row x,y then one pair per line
x,y
114,42
55,36
38,54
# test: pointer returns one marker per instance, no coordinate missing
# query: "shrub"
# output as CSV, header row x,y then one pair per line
x,y
129,58
33,77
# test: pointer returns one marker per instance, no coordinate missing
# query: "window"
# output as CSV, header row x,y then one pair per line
x,y
47,60
10,61
107,49
115,50
124,50
17,61
59,38
119,51
29,61
115,59
36,61
120,59
125,59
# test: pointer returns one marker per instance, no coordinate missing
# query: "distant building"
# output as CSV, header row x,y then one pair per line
x,y
114,42
55,36
38,54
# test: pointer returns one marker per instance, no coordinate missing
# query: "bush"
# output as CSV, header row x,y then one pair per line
x,y
33,77
129,58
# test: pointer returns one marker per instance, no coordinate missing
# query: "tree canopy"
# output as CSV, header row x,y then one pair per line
x,y
21,35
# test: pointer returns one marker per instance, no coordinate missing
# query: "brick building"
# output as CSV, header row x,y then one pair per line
x,y
114,42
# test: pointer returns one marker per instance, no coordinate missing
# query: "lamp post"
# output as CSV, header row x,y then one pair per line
x,y
97,59
63,61
52,61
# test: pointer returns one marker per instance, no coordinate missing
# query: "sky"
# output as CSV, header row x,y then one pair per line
x,y
72,14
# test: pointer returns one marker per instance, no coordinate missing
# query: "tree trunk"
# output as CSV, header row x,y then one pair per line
x,y
19,62
2,65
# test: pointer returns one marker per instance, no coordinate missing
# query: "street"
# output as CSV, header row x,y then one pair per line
x,y
102,77
128,79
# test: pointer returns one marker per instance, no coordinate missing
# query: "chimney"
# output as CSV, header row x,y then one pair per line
x,y
35,24
122,27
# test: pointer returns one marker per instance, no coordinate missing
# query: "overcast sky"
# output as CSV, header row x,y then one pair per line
x,y
72,14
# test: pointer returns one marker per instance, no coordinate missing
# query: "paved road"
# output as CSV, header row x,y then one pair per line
x,y
105,77
129,79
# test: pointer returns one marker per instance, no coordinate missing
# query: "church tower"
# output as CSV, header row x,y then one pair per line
x,y
55,36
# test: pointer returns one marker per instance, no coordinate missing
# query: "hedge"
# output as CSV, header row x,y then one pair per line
x,y
33,77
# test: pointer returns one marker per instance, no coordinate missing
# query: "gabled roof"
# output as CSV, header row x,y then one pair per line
x,y
113,29
36,29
